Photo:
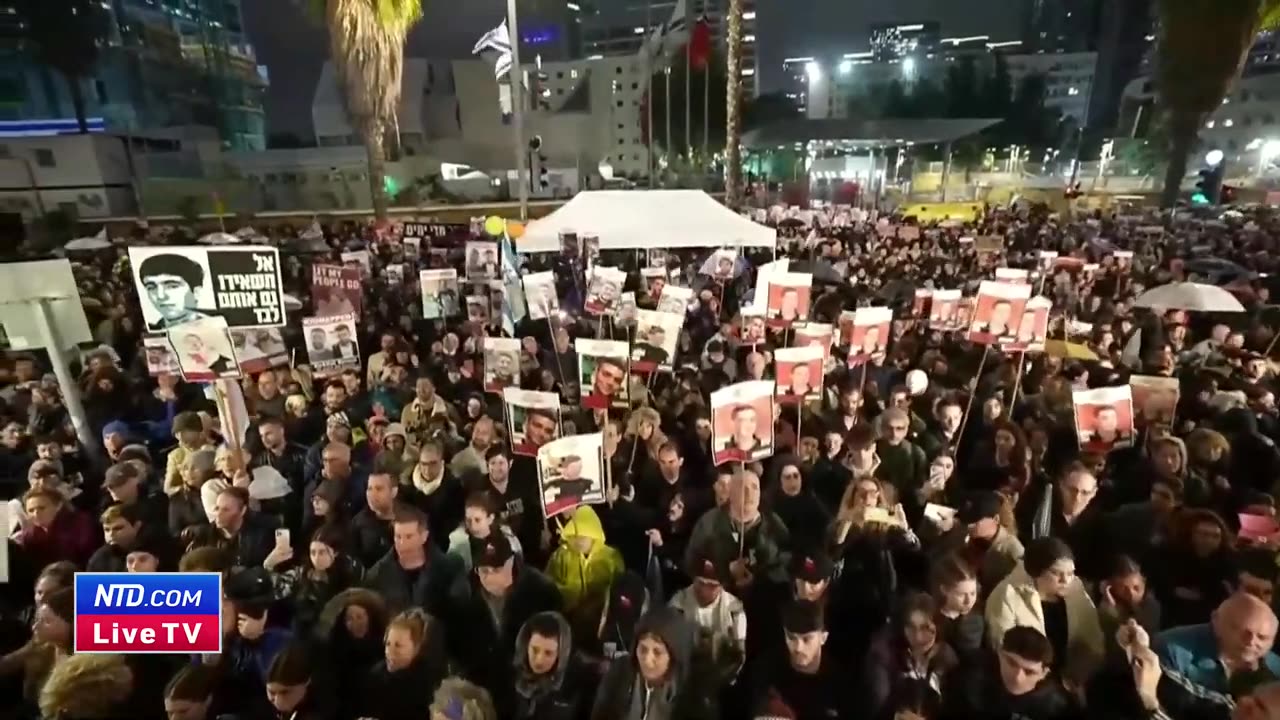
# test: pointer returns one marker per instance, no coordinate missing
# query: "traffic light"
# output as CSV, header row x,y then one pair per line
x,y
1209,187
539,91
538,178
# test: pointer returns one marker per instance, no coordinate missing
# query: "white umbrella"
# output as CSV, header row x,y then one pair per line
x,y
1189,296
219,238
291,302
85,244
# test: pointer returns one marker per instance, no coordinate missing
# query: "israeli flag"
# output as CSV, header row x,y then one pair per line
x,y
497,40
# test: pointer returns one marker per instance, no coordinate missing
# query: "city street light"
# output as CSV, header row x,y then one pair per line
x,y
813,70
1213,157
909,67
846,67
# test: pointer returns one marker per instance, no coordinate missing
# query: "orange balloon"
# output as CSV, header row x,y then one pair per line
x,y
515,229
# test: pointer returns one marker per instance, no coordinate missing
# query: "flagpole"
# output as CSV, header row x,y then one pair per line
x,y
516,77
667,87
688,80
648,74
706,114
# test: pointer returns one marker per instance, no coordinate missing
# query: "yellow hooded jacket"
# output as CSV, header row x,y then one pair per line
x,y
583,577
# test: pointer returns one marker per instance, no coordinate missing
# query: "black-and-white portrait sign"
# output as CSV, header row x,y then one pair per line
x,y
182,284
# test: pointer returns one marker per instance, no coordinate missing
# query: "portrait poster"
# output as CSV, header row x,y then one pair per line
x,y
533,419
1104,418
501,363
204,350
571,474
331,344
799,371
412,248
788,299
160,357
988,244
259,349
656,336
177,285
603,373
997,312
439,293
1124,260
820,334
359,259
920,303
604,289
540,295
483,261
675,299
1155,399
1033,327
626,314
964,312
480,309
655,258
942,310
1046,259
654,279
1012,275
335,290
869,333
751,326
721,264
742,421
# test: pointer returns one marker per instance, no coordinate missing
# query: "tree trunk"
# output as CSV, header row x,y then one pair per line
x,y
377,154
733,105
1184,128
77,102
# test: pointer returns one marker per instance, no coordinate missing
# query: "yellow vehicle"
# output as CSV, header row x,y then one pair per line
x,y
937,212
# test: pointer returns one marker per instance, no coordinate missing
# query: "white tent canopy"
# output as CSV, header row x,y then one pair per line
x,y
627,219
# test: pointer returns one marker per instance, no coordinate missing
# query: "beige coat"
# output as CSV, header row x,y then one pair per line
x,y
1016,602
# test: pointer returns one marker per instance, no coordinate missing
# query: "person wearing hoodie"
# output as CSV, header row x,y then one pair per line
x,y
349,634
550,684
395,455
657,681
479,519
188,430
583,567
719,621
798,507
399,687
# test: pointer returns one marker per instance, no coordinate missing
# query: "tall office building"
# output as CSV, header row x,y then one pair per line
x,y
1062,25
894,41
165,63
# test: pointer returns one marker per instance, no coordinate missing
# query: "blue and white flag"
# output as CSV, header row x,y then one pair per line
x,y
497,40
513,305
670,36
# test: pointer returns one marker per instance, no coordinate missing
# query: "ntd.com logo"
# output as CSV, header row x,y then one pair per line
x,y
148,612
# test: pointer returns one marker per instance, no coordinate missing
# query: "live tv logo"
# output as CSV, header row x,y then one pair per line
x,y
148,613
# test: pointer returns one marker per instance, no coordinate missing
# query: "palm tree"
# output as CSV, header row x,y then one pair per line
x,y
66,36
1203,46
733,108
366,45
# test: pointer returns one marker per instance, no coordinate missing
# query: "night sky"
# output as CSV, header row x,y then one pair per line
x,y
294,47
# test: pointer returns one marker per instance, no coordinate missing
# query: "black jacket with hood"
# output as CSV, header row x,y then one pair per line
x,y
557,695
346,654
685,696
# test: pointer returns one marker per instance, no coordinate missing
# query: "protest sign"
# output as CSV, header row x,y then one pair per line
x,y
533,419
160,357
656,336
439,293
742,421
482,260
204,350
998,307
335,290
501,363
242,285
799,373
602,372
604,288
571,473
259,349
331,344
1104,418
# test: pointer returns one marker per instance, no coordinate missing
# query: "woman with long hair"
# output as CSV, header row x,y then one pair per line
x,y
1191,574
310,584
52,632
909,662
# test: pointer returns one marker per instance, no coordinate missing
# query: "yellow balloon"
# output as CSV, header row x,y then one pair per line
x,y
494,225
515,230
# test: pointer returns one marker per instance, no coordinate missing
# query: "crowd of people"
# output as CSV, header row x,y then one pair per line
x,y
928,538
